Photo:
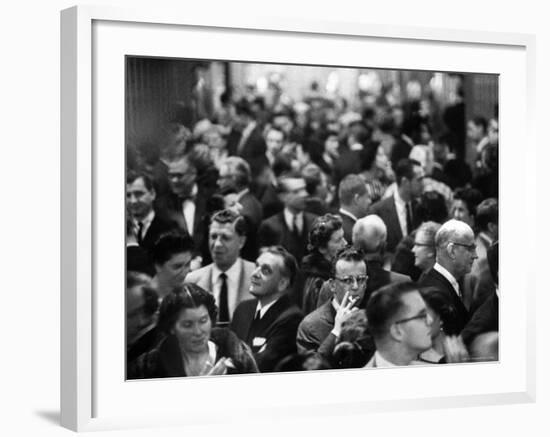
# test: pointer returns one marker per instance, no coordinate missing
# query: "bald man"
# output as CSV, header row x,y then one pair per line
x,y
455,254
369,234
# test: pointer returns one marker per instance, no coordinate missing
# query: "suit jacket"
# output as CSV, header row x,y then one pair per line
x,y
379,277
347,226
204,278
435,279
349,162
273,337
386,210
314,331
253,146
159,226
274,231
485,319
170,207
253,212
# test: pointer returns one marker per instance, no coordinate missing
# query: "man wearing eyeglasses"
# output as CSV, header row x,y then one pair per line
x,y
455,254
400,324
320,330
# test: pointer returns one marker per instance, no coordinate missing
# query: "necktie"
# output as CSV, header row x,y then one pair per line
x,y
224,309
140,233
257,316
409,217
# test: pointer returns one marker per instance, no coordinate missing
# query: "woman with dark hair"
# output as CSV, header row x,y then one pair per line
x,y
192,347
326,238
444,324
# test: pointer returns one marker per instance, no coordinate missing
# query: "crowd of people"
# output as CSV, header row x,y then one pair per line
x,y
310,236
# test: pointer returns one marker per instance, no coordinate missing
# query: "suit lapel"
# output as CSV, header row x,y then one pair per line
x,y
395,219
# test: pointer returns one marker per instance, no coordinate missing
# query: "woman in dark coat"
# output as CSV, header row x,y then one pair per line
x,y
326,238
192,347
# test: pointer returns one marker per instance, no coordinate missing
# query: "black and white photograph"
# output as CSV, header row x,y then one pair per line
x,y
286,218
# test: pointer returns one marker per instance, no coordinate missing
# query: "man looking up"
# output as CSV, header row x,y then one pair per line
x,y
268,323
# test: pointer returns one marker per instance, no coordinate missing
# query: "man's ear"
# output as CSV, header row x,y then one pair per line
x,y
450,250
283,284
242,241
396,332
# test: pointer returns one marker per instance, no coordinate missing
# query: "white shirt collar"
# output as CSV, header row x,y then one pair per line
x,y
289,219
448,276
146,222
248,129
232,272
349,214
263,309
380,361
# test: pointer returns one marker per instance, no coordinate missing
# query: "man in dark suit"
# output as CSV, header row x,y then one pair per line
x,y
398,211
246,139
455,254
369,235
269,322
289,228
186,203
350,155
147,226
321,329
354,202
235,177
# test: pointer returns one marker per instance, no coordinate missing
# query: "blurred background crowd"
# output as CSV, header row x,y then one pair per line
x,y
298,218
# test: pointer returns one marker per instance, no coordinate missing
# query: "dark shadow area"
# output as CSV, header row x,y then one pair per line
x,y
54,417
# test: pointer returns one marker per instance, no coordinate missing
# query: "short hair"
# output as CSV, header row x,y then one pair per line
x,y
487,212
189,158
322,229
229,216
429,229
470,196
185,296
449,231
290,266
240,169
405,169
384,304
479,120
150,295
349,254
350,186
440,302
170,244
133,176
313,176
432,207
369,234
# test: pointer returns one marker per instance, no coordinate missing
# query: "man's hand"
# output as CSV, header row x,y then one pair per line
x,y
345,310
455,350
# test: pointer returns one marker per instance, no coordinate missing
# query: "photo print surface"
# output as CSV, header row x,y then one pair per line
x,y
297,218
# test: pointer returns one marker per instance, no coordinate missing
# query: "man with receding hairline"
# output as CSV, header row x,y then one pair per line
x,y
455,254
370,235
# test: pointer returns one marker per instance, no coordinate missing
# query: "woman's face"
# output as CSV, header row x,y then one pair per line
x,y
192,329
336,242
459,211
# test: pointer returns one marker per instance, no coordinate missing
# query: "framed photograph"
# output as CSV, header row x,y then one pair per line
x,y
131,77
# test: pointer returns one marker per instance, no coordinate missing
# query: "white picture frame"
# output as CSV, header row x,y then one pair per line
x,y
92,41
